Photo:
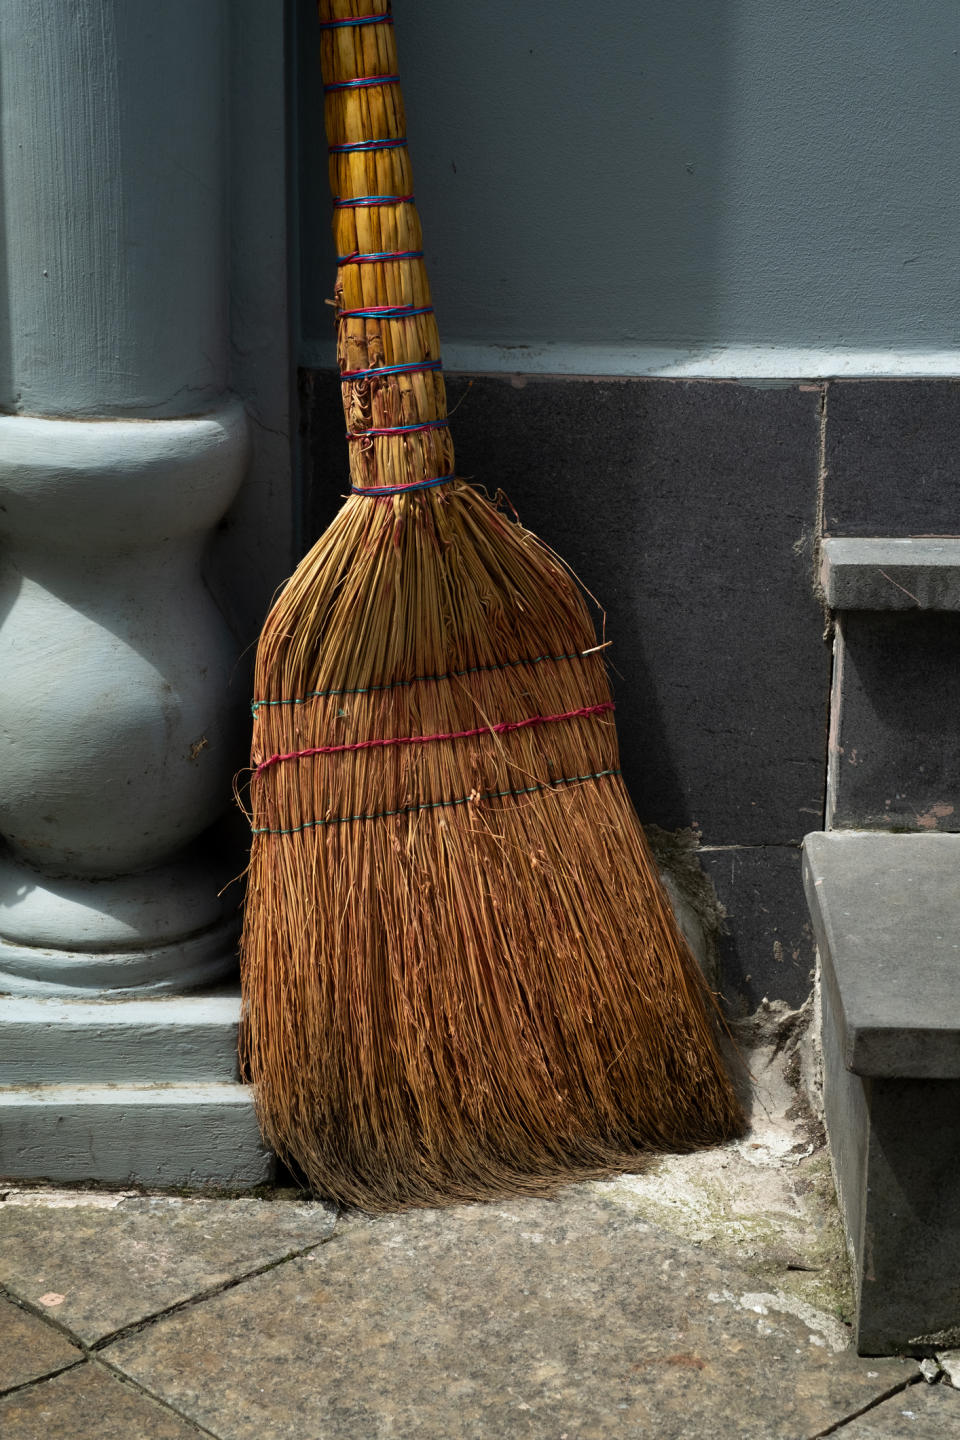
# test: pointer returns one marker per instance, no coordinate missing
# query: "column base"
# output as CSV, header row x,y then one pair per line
x,y
188,964
157,932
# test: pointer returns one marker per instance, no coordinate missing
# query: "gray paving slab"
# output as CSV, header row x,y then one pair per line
x,y
97,1264
29,1348
88,1403
922,1412
573,1318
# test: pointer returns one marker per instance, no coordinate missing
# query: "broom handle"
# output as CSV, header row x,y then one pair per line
x,y
388,347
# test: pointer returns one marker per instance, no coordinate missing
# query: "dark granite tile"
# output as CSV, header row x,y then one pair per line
x,y
87,1403
532,1319
687,508
895,753
769,948
893,463
29,1348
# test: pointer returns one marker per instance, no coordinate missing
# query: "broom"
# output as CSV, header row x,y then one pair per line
x,y
461,974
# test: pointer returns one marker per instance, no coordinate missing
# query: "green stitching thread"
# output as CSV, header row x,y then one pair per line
x,y
436,804
399,684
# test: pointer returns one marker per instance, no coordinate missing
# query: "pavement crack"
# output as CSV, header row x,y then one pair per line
x,y
132,1384
212,1291
41,1379
39,1312
871,1405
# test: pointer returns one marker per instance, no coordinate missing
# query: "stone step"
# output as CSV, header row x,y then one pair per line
x,y
891,574
153,1135
886,914
168,1040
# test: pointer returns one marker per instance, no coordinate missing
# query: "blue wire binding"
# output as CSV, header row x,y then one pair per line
x,y
366,257
362,82
349,202
391,369
255,705
547,785
357,20
386,312
385,430
367,145
401,489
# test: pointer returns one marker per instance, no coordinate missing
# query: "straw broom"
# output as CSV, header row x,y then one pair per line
x,y
461,974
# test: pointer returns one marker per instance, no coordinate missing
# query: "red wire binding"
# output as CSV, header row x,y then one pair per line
x,y
503,727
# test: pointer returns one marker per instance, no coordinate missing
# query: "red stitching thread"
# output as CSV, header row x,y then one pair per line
x,y
502,728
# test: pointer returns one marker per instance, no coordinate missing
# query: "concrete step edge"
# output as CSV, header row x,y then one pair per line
x,y
202,1092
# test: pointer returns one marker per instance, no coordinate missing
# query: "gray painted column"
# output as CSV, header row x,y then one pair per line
x,y
119,452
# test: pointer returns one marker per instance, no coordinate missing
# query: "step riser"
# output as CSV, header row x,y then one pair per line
x,y
117,1054
190,1136
896,1157
139,1092
184,1040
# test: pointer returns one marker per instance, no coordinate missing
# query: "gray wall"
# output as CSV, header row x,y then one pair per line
x,y
688,173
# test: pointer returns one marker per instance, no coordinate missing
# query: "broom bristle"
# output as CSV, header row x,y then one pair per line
x,y
461,974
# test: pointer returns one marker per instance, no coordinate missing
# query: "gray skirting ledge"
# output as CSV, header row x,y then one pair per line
x,y
884,574
143,1092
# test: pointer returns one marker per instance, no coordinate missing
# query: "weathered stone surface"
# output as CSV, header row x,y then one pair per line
x,y
765,1202
949,1361
527,1319
921,1412
28,1348
909,1261
884,908
88,1403
116,1260
891,453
